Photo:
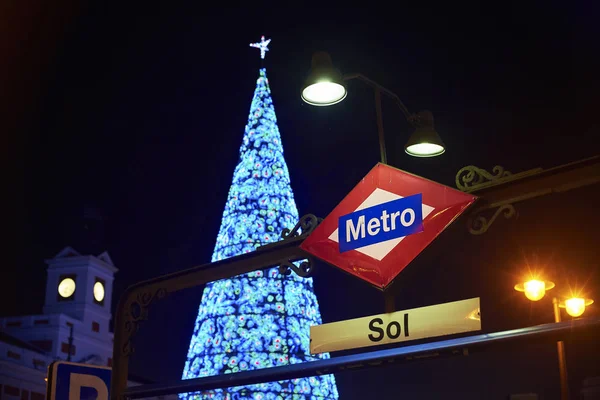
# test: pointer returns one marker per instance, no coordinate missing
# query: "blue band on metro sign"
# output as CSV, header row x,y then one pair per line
x,y
386,221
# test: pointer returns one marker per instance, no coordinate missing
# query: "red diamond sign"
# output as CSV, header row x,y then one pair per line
x,y
384,223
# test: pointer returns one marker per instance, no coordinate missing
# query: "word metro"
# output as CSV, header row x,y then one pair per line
x,y
376,224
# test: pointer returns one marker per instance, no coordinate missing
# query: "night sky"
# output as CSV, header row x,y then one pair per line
x,y
122,126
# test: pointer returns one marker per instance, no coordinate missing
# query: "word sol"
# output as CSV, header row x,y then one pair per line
x,y
376,330
392,330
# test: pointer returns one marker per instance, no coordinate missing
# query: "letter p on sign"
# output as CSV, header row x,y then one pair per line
x,y
79,383
72,381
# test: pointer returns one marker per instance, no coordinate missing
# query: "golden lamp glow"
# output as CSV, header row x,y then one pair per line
x,y
534,289
575,306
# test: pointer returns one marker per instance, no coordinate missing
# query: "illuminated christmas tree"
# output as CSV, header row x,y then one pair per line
x,y
261,319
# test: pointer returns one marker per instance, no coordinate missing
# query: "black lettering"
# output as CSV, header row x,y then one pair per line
x,y
406,325
389,330
374,328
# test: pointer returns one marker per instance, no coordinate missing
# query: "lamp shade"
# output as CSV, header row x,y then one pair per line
x,y
425,141
534,289
576,305
324,85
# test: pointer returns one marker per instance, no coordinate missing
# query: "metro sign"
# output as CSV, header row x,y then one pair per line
x,y
384,223
399,218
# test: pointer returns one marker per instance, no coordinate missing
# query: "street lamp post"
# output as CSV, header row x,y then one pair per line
x,y
535,290
562,360
326,86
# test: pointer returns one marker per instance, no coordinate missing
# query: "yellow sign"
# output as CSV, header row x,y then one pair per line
x,y
401,326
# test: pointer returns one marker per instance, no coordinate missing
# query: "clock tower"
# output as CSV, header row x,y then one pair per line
x,y
80,286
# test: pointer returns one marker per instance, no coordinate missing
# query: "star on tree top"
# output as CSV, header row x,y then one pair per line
x,y
262,45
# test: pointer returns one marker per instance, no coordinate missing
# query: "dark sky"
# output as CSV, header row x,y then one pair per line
x,y
122,123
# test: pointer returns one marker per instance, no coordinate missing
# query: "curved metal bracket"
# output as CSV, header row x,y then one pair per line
x,y
409,117
137,311
302,268
306,224
478,224
469,178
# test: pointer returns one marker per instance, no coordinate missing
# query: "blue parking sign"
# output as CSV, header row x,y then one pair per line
x,y
73,381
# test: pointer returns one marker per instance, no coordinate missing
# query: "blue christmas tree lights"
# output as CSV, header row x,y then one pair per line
x,y
261,319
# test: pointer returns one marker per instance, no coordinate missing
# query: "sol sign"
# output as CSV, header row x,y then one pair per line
x,y
417,323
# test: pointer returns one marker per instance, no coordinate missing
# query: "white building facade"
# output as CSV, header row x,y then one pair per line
x,y
74,325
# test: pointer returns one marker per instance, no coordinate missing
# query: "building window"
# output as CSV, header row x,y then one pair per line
x,y
24,394
37,396
109,363
13,324
39,363
64,347
12,391
95,326
13,355
45,345
41,322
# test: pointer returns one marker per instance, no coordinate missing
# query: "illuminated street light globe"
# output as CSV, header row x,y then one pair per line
x,y
324,85
575,306
534,289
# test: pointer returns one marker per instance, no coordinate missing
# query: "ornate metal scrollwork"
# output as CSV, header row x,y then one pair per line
x,y
469,177
478,224
301,268
138,312
304,227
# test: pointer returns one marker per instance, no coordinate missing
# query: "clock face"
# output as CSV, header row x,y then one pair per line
x,y
98,291
66,287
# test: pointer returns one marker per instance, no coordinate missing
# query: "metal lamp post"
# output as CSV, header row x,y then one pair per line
x,y
535,290
326,86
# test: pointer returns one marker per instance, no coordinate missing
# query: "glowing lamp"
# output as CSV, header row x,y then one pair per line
x,y
534,289
323,93
324,85
575,306
425,141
